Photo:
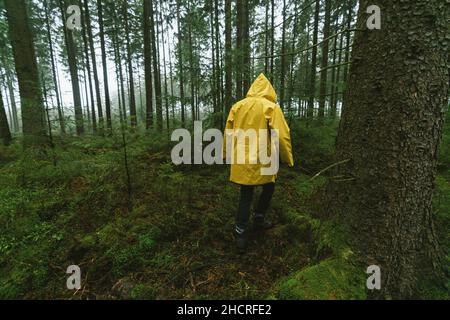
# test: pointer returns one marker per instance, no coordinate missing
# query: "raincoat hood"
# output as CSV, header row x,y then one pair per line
x,y
262,88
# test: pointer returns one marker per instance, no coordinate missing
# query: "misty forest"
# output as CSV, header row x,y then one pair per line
x,y
92,90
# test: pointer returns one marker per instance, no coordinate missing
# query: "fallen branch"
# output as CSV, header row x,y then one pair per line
x,y
328,168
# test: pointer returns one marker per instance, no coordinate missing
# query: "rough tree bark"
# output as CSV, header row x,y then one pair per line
x,y
32,104
390,131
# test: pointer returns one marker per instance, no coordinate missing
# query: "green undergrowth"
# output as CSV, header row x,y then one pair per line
x,y
168,235
171,239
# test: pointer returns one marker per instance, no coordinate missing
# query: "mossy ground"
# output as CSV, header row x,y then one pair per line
x,y
174,238
175,242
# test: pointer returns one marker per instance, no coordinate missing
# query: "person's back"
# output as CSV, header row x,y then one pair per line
x,y
257,113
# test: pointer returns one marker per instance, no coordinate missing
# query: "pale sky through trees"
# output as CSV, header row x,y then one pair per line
x,y
170,38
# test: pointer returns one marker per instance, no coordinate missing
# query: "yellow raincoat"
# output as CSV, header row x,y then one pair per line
x,y
258,111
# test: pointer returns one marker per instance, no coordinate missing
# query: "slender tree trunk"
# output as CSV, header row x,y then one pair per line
x,y
283,57
246,45
116,65
88,67
306,76
32,104
347,38
171,84
324,64
292,74
94,68
59,93
392,144
312,83
239,47
228,58
272,43
191,67
338,73
213,66
148,66
180,65
49,123
12,98
8,108
86,92
166,96
5,133
119,67
141,107
105,67
73,70
266,38
156,71
133,115
333,73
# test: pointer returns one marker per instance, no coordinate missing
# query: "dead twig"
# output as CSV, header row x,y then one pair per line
x,y
328,168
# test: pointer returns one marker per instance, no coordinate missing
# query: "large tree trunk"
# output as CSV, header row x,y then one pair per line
x,y
32,104
390,131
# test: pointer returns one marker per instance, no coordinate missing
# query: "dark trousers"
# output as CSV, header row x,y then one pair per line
x,y
245,203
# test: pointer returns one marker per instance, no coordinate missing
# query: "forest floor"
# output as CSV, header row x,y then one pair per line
x,y
173,240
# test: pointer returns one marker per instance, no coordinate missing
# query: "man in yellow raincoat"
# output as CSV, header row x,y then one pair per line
x,y
258,112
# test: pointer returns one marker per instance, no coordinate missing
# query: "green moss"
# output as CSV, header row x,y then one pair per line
x,y
330,279
143,292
